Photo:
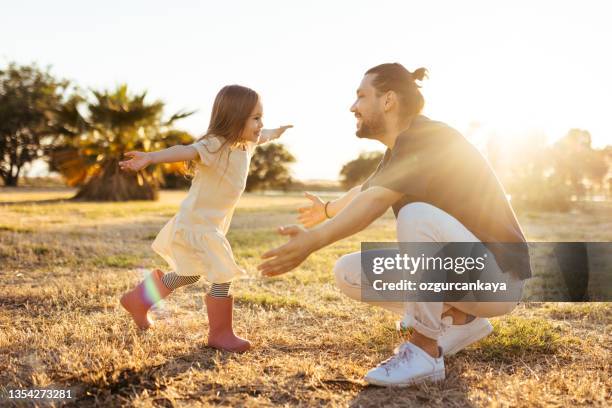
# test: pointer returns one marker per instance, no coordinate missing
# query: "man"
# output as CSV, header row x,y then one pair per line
x,y
441,190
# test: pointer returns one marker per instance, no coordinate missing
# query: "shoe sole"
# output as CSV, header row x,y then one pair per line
x,y
475,336
435,377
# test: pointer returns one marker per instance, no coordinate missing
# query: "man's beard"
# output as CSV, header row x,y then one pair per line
x,y
371,129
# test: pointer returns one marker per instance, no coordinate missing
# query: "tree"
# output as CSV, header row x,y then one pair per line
x,y
540,176
173,174
28,98
270,168
607,182
90,146
578,165
569,155
358,170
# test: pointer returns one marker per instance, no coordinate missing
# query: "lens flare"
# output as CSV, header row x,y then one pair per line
x,y
151,292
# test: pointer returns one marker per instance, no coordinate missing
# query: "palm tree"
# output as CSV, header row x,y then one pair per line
x,y
89,147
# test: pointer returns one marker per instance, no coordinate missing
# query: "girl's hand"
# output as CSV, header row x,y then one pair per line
x,y
313,214
271,134
138,161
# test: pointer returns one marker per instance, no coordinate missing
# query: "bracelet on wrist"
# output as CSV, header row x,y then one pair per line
x,y
325,208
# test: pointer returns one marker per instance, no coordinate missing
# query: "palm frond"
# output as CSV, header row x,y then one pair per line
x,y
179,115
117,122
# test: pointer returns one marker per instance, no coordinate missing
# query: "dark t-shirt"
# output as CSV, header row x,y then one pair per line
x,y
433,163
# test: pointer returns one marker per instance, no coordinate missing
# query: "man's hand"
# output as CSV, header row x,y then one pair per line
x,y
357,215
271,134
289,256
313,214
138,161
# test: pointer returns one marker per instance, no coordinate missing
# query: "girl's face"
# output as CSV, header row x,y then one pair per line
x,y
253,125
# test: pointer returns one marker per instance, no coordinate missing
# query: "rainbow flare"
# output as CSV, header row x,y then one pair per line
x,y
151,292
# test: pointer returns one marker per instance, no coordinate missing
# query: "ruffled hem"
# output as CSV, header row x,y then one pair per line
x,y
192,252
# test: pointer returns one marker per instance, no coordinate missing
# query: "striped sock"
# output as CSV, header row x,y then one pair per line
x,y
174,281
220,289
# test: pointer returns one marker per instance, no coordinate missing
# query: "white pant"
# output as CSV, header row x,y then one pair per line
x,y
421,222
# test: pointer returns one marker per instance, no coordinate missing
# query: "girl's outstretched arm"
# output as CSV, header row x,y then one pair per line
x,y
140,160
267,135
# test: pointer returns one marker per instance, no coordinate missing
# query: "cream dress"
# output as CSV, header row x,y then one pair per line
x,y
193,242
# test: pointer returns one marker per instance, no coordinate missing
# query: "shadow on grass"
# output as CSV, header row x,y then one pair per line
x,y
120,386
448,393
516,341
453,391
55,304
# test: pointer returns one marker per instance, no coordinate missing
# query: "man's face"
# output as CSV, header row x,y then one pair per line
x,y
368,109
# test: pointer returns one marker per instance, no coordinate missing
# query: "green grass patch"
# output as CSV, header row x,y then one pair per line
x,y
15,228
254,238
517,337
268,301
599,313
40,250
97,211
118,261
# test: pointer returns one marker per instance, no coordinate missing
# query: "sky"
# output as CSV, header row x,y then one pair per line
x,y
496,69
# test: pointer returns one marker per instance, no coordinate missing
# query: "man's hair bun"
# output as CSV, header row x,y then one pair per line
x,y
419,74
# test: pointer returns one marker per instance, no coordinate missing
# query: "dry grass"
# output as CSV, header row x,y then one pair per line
x,y
64,266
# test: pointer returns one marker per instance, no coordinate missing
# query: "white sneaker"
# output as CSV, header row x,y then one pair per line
x,y
457,337
410,365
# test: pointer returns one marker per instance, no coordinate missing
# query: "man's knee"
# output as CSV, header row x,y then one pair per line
x,y
501,308
341,270
417,222
347,272
413,220
415,213
486,309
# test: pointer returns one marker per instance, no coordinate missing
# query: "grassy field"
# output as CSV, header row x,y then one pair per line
x,y
64,266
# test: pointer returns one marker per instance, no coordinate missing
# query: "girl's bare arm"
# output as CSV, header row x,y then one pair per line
x,y
173,154
139,160
267,135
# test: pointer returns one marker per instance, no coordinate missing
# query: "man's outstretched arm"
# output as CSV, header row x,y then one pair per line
x,y
359,213
318,211
366,207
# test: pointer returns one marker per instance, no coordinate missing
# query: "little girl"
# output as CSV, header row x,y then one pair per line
x,y
193,242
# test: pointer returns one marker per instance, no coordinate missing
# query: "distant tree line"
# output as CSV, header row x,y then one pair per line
x,y
536,175
83,135
357,171
543,176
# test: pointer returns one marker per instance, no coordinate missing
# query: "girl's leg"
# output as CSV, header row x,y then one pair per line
x,y
174,281
139,300
219,306
220,289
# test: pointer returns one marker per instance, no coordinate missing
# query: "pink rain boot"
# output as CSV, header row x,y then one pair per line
x,y
139,300
220,334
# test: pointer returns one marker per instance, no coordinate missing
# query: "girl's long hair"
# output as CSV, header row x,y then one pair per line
x,y
232,107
